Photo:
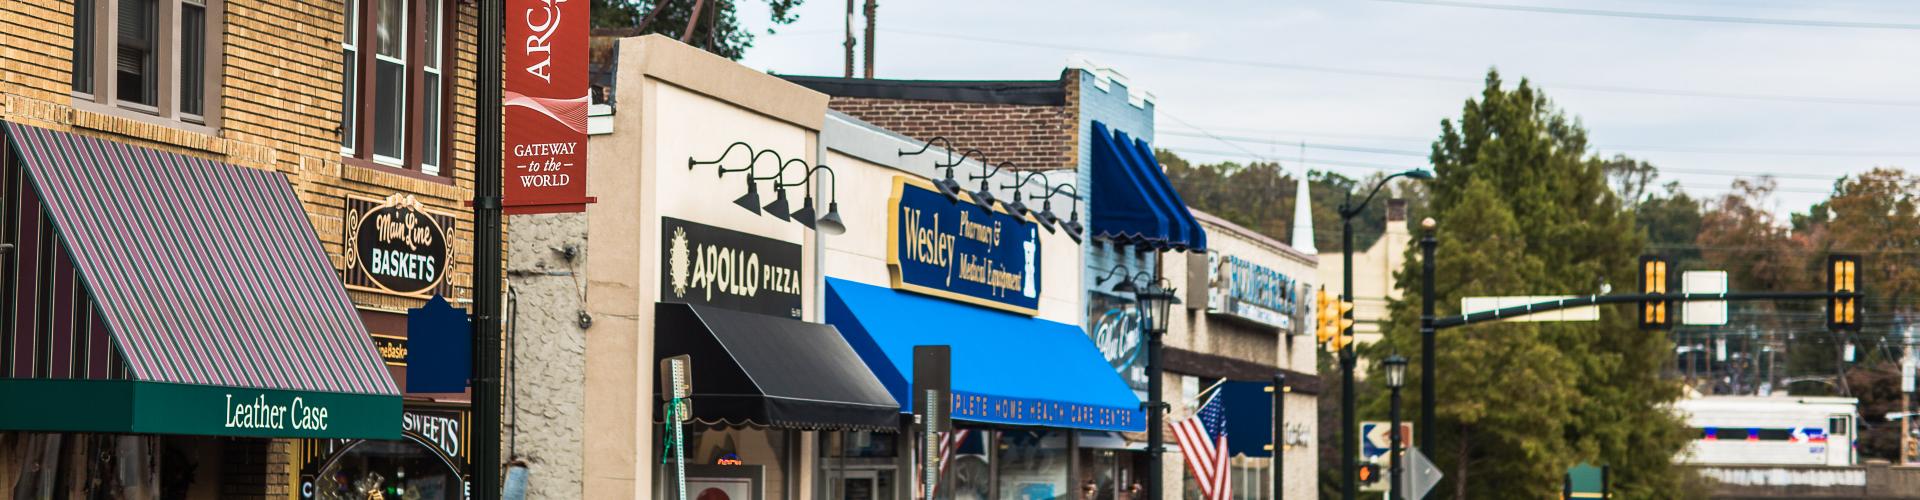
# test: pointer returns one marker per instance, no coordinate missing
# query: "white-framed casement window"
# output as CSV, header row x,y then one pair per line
x,y
394,84
147,59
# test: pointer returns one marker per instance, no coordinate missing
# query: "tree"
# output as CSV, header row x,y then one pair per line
x,y
1524,211
1260,195
717,30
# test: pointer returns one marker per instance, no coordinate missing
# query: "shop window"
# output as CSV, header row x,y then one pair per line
x,y
858,465
146,58
1033,465
394,90
389,469
734,460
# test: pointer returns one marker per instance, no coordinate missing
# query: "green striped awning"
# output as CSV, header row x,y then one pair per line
x,y
214,291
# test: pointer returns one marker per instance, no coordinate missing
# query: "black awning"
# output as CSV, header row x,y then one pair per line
x,y
754,369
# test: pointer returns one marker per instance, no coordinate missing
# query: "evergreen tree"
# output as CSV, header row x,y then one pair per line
x,y
1525,210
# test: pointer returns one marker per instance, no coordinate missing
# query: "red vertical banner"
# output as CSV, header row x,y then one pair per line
x,y
545,101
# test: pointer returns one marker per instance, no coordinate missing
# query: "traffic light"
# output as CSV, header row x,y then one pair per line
x,y
1843,313
1333,322
1369,473
1913,447
1325,316
1654,280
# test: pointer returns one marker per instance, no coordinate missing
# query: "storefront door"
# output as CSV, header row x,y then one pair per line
x,y
860,485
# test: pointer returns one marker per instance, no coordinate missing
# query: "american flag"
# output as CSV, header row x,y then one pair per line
x,y
1203,440
949,442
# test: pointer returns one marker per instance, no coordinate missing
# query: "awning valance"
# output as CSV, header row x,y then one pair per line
x,y
1133,201
1007,368
214,292
754,369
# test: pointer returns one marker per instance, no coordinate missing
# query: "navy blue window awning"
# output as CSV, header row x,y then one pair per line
x,y
1007,368
1133,201
1249,417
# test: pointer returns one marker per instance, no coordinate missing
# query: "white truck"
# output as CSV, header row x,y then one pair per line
x,y
1770,430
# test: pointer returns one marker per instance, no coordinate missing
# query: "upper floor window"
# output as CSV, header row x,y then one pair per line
x,y
147,56
392,100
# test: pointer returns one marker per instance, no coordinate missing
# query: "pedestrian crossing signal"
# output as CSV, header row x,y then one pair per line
x,y
1843,313
1368,473
1655,314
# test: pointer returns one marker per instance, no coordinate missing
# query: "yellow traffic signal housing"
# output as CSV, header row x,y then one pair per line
x,y
1332,324
1325,316
1843,276
1655,280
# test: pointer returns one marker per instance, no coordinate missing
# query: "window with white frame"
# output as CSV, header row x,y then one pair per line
x,y
394,84
147,57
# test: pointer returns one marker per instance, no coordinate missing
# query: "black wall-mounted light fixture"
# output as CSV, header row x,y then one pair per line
x,y
947,185
778,209
984,197
829,223
1072,223
1018,205
951,187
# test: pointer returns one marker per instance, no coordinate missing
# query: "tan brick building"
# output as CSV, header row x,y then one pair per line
x,y
363,99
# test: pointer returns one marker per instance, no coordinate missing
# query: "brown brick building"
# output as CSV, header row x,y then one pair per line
x,y
353,103
1034,124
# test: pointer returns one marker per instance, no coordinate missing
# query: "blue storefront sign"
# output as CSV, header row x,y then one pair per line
x,y
1241,288
961,251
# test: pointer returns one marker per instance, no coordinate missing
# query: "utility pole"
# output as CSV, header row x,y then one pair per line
x,y
849,42
488,163
872,5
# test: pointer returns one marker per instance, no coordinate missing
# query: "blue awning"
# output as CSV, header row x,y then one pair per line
x,y
1007,368
1195,238
1121,209
1132,200
1249,417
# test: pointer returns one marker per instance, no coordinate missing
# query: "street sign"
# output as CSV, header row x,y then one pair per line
x,y
1470,305
1374,440
1420,475
1701,312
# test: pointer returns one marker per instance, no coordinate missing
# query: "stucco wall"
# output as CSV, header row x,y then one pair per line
x,y
587,393
547,391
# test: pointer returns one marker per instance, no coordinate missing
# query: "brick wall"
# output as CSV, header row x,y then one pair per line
x,y
279,110
280,87
1033,137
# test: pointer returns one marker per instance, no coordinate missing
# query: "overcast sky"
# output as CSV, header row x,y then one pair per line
x,y
1379,76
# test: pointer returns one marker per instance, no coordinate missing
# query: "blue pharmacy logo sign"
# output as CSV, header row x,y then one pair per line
x,y
961,251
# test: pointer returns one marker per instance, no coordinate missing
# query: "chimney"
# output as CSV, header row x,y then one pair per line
x,y
1396,210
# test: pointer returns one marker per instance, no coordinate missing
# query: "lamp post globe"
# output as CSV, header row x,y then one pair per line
x,y
1396,371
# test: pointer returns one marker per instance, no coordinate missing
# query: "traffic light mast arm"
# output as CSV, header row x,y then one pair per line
x,y
1554,305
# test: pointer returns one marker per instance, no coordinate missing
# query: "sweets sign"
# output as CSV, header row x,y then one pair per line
x,y
396,246
545,101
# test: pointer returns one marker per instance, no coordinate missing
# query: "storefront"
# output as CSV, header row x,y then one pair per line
x,y
168,318
701,258
927,260
1249,319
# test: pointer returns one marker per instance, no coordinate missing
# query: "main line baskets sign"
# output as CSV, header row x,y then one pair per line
x,y
395,246
962,251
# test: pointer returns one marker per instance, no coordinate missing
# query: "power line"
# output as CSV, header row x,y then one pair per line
x,y
1814,23
1617,89
1746,174
1722,150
